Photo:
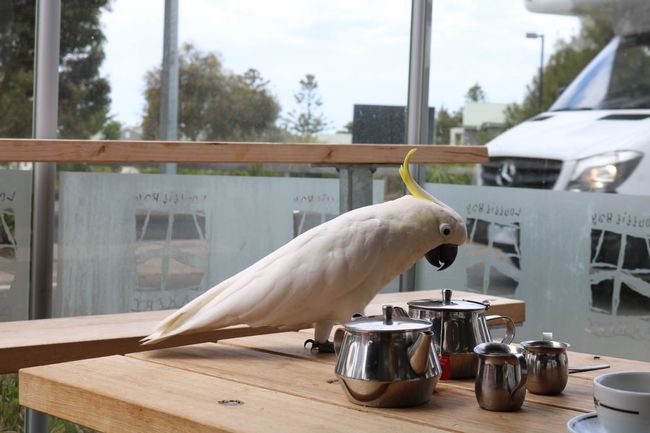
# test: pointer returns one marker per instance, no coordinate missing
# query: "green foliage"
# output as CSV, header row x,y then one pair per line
x,y
60,426
563,66
83,95
16,67
460,174
214,104
475,94
308,122
445,120
252,170
112,130
11,415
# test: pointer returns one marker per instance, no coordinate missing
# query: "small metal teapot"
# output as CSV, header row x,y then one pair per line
x,y
387,360
458,326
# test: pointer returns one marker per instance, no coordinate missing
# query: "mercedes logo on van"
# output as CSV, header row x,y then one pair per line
x,y
506,174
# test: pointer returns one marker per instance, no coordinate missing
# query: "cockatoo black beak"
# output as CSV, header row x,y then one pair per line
x,y
442,256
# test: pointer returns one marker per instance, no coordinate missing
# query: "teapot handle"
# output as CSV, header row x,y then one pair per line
x,y
338,340
510,327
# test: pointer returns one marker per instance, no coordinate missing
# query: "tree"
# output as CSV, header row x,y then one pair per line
x,y
83,95
214,104
112,130
445,120
563,66
475,94
308,122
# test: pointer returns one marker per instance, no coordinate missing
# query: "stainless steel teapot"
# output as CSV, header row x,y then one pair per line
x,y
458,326
387,360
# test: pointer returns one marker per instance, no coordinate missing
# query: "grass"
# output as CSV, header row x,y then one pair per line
x,y
12,416
459,174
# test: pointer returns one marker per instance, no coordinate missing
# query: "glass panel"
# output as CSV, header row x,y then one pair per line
x,y
581,262
15,231
141,242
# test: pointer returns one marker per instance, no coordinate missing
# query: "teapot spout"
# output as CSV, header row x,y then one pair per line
x,y
418,353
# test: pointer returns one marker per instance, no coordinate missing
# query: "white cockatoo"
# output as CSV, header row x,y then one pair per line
x,y
327,274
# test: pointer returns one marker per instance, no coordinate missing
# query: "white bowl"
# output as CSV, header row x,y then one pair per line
x,y
623,401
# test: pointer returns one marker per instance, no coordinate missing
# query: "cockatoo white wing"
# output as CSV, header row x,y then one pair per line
x,y
298,284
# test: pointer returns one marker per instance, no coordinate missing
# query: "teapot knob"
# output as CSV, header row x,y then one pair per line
x,y
388,314
446,296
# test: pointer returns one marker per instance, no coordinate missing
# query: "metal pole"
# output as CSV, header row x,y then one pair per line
x,y
45,120
541,77
169,82
417,109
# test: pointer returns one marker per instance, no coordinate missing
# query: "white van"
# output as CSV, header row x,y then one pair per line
x,y
596,136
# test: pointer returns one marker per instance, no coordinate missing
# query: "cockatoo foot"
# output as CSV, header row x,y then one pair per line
x,y
326,347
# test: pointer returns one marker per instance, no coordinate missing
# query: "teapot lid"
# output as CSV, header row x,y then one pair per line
x,y
387,322
447,304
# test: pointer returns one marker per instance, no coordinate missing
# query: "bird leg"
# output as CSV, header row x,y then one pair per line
x,y
321,342
326,347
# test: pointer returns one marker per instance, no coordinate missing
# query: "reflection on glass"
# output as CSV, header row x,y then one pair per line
x,y
171,255
620,273
15,220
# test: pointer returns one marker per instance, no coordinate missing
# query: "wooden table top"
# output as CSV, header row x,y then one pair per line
x,y
268,383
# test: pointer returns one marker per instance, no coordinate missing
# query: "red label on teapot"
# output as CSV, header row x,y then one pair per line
x,y
445,363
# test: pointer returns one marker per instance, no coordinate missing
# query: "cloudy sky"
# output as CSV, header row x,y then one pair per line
x,y
357,49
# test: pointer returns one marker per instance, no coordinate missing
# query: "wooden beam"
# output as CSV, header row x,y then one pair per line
x,y
49,341
108,151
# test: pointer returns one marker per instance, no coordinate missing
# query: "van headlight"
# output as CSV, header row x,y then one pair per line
x,y
604,172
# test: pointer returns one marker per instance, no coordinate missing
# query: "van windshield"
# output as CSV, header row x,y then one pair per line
x,y
618,77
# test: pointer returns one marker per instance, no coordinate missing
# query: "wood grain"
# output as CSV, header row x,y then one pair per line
x,y
49,341
452,407
109,151
120,394
283,387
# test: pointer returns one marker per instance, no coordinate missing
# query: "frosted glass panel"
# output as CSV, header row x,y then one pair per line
x,y
15,220
580,261
143,242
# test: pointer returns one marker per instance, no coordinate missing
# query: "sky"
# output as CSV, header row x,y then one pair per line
x,y
357,49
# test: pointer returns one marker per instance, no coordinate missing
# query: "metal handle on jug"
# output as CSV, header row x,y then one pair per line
x,y
523,370
510,327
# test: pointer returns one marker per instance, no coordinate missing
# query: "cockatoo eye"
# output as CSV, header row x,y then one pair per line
x,y
445,229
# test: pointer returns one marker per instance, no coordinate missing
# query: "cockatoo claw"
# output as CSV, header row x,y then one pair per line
x,y
326,347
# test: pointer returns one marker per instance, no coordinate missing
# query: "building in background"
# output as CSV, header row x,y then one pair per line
x,y
482,121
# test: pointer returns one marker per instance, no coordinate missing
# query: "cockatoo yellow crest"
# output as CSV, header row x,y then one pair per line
x,y
327,274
